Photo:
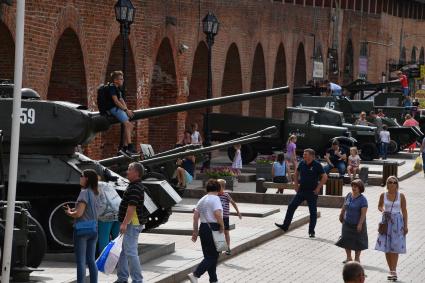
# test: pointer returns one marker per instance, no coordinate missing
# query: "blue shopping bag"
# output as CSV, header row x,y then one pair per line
x,y
100,262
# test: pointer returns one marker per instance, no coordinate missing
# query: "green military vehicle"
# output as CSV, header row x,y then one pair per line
x,y
302,122
365,136
401,137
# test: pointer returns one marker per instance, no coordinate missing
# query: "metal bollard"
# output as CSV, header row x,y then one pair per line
x,y
259,187
389,168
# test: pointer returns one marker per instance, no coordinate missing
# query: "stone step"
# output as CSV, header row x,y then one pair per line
x,y
147,252
177,228
260,212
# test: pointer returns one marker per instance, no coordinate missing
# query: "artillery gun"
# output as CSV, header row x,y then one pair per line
x,y
49,168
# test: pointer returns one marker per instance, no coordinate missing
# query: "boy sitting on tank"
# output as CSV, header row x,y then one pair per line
x,y
120,110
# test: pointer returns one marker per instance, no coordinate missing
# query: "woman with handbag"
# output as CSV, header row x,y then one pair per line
x,y
85,227
353,219
393,227
210,211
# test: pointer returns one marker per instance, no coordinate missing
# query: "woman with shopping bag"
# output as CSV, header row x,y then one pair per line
x,y
210,211
85,227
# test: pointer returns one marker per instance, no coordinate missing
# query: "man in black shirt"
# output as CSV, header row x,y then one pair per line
x,y
309,178
120,109
132,221
336,158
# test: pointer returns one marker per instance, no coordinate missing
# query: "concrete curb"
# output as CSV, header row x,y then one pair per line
x,y
182,275
261,198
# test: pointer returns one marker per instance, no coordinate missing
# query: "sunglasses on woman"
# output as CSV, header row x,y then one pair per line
x,y
392,182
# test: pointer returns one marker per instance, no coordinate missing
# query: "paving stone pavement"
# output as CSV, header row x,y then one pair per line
x,y
293,257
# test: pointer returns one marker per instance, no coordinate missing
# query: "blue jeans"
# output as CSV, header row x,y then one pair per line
x,y
301,196
85,249
129,258
339,165
209,263
384,149
107,231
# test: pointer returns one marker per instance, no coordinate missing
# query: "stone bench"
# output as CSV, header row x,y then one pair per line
x,y
262,186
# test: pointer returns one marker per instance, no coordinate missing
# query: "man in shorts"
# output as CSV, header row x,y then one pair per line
x,y
120,109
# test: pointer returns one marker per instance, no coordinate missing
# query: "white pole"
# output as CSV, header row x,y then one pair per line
x,y
14,149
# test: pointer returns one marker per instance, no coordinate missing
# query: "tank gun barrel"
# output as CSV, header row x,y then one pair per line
x,y
183,151
122,158
167,109
155,160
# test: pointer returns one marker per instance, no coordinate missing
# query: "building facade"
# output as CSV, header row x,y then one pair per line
x,y
72,45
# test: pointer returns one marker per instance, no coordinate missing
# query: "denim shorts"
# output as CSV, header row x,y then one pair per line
x,y
226,223
119,114
189,177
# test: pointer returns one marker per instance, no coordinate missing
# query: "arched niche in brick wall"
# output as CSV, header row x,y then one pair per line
x,y
422,56
300,67
348,71
68,75
111,138
279,102
413,55
232,80
7,53
162,129
198,85
257,107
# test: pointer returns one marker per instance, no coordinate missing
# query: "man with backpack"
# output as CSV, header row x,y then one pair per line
x,y
132,215
110,101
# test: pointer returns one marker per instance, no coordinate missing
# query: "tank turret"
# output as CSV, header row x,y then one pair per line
x,y
57,127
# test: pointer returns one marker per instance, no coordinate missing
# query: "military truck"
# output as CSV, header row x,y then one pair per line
x,y
49,168
365,136
302,122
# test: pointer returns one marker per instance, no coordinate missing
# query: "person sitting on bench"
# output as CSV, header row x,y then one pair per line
x,y
185,171
280,171
335,157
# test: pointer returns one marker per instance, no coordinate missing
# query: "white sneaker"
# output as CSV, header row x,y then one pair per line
x,y
192,278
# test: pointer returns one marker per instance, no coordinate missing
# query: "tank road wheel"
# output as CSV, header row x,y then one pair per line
x,y
61,226
393,147
157,218
37,243
368,151
247,151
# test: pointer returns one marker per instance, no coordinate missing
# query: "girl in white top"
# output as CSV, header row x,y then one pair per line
x,y
353,163
237,160
210,211
392,204
196,136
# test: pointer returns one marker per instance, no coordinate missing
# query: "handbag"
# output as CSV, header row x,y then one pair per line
x,y
219,240
383,226
87,227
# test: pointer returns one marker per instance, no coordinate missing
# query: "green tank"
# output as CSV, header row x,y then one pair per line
x,y
49,167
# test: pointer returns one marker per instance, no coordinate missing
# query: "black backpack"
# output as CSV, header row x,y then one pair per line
x,y
104,99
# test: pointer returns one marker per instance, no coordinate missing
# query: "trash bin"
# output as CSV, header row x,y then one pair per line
x,y
390,168
364,174
334,185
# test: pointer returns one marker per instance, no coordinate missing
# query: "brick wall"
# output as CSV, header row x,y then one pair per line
x,y
245,24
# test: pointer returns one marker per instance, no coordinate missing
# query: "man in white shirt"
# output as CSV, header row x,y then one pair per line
x,y
333,89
